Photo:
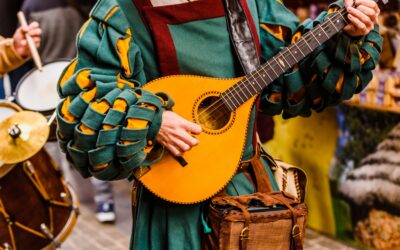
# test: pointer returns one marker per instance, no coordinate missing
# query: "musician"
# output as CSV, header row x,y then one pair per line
x,y
15,51
107,123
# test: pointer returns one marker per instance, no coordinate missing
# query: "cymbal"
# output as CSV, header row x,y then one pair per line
x,y
22,135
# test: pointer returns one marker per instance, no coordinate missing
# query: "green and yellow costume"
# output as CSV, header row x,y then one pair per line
x,y
108,124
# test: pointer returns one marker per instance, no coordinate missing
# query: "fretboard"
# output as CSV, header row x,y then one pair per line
x,y
255,82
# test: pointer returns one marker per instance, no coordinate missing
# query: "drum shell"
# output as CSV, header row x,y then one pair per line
x,y
24,203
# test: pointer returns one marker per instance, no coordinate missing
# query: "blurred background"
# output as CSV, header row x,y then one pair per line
x,y
351,153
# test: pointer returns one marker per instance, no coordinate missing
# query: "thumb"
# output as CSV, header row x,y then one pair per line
x,y
193,127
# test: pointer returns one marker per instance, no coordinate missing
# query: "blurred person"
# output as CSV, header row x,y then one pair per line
x,y
60,21
15,51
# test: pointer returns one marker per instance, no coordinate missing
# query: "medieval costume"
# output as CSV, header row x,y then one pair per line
x,y
108,124
9,59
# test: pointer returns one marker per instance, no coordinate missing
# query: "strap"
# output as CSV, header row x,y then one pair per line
x,y
241,36
263,185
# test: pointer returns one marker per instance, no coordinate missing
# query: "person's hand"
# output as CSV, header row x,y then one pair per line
x,y
176,133
19,40
362,18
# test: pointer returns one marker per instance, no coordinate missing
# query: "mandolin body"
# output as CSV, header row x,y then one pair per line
x,y
208,167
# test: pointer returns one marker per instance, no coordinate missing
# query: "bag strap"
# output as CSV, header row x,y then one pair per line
x,y
263,184
297,243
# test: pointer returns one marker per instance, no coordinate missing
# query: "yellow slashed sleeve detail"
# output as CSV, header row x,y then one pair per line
x,y
101,107
123,48
83,79
68,73
364,56
334,9
109,15
122,82
275,97
296,37
64,110
339,85
84,27
89,95
276,30
86,130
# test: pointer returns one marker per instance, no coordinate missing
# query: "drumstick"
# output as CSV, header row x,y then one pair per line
x,y
31,44
53,116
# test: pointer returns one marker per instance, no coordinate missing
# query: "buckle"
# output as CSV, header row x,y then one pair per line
x,y
294,234
245,234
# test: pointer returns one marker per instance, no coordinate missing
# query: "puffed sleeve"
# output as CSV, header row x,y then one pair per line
x,y
332,73
107,123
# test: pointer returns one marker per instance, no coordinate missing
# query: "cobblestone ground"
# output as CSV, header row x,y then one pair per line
x,y
88,234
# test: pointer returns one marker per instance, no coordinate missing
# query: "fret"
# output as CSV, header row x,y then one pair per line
x,y
252,83
298,49
265,73
279,64
283,58
329,19
289,49
225,101
237,92
245,87
234,96
316,39
327,36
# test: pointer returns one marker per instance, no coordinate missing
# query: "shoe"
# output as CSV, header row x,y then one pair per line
x,y
105,212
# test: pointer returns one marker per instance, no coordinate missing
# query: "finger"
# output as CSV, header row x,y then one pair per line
x,y
192,127
181,146
368,3
24,29
348,3
33,25
23,43
361,27
173,150
366,20
371,13
187,138
360,15
35,32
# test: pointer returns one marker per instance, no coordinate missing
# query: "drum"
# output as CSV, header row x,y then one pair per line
x,y
7,109
37,209
37,90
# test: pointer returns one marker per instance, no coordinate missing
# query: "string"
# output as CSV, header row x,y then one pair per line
x,y
215,106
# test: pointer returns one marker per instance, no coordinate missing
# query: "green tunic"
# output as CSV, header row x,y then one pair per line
x,y
202,47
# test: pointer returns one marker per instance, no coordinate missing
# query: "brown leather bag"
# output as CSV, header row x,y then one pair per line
x,y
256,222
261,221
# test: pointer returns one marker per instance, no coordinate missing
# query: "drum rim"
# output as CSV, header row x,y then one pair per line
x,y
30,72
15,106
71,222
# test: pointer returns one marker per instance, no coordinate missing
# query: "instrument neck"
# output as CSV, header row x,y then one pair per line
x,y
252,84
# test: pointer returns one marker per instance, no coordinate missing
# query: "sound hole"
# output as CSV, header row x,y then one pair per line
x,y
213,114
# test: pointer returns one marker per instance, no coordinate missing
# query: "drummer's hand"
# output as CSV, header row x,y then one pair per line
x,y
21,44
176,133
362,17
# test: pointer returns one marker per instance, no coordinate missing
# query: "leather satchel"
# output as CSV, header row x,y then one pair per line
x,y
263,220
259,221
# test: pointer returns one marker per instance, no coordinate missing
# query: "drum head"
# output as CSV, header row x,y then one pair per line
x,y
37,91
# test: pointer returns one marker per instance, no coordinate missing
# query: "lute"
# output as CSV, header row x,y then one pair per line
x,y
222,107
